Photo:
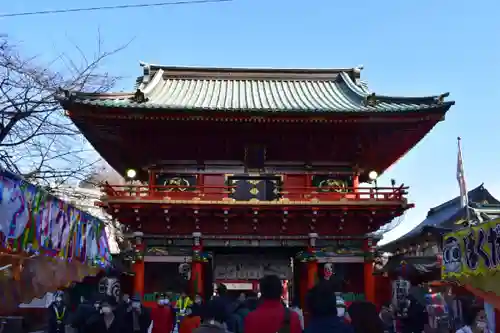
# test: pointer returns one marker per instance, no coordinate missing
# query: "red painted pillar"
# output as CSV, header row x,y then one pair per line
x,y
312,264
355,185
368,272
311,272
355,181
138,265
151,182
196,265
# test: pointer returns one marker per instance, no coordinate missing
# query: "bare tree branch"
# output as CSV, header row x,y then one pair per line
x,y
36,139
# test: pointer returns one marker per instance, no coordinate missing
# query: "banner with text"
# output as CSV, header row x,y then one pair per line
x,y
472,251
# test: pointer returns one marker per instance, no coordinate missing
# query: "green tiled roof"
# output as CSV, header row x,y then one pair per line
x,y
273,90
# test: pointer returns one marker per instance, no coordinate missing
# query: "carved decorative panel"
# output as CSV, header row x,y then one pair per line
x,y
332,183
176,182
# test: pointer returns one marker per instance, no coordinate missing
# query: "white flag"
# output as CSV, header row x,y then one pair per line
x,y
461,178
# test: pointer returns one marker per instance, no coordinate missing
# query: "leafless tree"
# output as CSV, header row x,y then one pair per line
x,y
37,140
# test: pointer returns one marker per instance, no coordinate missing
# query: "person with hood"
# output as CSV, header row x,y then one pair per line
x,y
161,316
365,318
271,316
192,319
321,302
213,318
58,315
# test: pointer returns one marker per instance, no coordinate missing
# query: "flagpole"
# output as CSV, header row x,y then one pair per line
x,y
461,180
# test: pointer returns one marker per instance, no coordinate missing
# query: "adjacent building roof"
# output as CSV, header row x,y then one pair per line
x,y
257,90
450,215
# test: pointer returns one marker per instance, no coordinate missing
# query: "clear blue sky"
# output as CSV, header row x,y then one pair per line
x,y
407,47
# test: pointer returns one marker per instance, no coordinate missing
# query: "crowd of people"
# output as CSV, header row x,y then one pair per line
x,y
248,314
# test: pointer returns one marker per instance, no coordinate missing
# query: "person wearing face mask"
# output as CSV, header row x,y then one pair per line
x,y
138,319
106,320
181,305
198,299
161,316
58,315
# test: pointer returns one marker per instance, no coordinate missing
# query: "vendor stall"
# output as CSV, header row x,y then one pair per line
x,y
471,256
45,243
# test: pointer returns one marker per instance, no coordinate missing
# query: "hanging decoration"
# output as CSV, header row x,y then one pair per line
x,y
45,242
328,271
400,293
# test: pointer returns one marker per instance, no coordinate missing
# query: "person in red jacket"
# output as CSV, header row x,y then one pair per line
x,y
271,316
162,316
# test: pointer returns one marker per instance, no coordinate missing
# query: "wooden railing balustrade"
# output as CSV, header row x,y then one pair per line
x,y
206,192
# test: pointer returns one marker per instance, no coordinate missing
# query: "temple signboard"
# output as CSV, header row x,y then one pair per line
x,y
250,268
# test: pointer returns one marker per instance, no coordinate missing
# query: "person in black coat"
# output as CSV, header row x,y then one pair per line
x,y
138,318
107,320
417,317
84,311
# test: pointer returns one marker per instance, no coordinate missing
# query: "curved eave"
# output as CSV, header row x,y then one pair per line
x,y
268,97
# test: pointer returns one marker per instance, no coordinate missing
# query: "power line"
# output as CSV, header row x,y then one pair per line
x,y
93,9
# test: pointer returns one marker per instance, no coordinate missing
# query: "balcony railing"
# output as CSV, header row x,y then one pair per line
x,y
227,193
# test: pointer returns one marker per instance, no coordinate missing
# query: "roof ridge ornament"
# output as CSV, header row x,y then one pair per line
x,y
146,71
371,100
139,97
440,98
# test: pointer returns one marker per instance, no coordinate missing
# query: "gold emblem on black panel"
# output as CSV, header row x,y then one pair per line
x,y
332,185
254,190
175,182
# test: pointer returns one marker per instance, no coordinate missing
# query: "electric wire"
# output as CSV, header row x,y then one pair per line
x,y
93,9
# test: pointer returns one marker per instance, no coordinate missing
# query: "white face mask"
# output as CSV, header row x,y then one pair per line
x,y
58,299
106,310
481,324
341,312
136,305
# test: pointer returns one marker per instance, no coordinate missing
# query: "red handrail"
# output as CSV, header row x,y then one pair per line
x,y
218,192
